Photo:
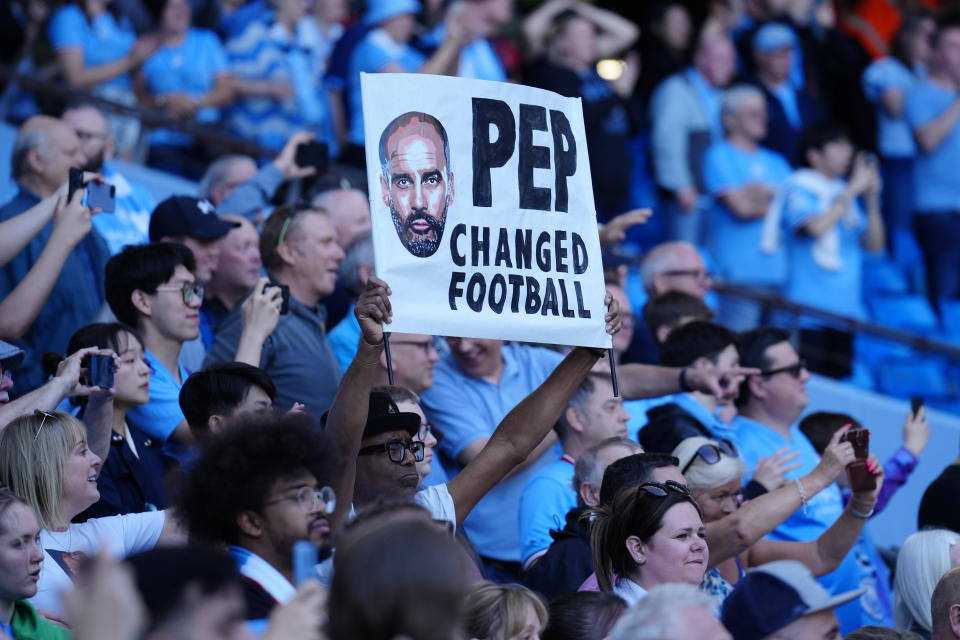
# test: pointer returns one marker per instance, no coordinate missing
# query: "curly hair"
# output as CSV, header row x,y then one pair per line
x,y
236,470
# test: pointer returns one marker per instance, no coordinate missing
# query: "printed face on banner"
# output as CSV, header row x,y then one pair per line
x,y
416,182
514,253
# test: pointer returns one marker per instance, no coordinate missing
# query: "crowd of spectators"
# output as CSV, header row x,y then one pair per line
x,y
255,462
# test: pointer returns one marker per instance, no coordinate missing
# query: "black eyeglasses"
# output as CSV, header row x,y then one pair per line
x,y
396,450
45,414
794,369
187,290
309,499
662,489
710,453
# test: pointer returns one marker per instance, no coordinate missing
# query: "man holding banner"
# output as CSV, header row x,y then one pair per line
x,y
518,259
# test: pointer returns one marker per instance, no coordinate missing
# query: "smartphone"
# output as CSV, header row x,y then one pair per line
x,y
75,182
101,370
313,154
304,561
916,403
102,196
284,294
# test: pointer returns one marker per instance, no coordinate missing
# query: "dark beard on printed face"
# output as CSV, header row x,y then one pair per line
x,y
420,244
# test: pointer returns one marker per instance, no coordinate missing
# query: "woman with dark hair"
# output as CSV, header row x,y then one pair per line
x,y
650,535
131,478
886,83
584,615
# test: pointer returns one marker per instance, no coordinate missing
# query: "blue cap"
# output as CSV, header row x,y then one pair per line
x,y
773,36
772,596
382,10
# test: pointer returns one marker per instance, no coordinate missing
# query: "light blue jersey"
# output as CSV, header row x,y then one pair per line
x,y
735,243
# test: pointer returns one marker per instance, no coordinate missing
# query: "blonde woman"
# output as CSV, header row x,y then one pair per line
x,y
924,557
505,612
45,460
714,474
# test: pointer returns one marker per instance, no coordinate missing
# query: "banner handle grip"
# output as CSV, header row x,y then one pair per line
x,y
386,349
613,372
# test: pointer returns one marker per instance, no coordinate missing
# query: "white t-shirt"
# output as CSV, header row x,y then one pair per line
x,y
117,535
438,501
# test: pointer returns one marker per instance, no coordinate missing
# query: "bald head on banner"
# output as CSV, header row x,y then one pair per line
x,y
416,181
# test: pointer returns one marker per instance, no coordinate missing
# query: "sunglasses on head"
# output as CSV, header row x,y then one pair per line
x,y
44,415
710,453
661,489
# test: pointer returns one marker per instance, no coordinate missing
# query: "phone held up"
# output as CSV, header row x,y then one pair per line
x,y
99,195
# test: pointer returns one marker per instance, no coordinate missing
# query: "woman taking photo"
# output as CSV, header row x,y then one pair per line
x,y
650,535
714,473
131,477
45,460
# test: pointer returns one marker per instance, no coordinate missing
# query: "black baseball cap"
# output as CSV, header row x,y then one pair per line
x,y
185,216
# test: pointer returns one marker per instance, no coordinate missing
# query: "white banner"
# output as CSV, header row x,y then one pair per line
x,y
483,218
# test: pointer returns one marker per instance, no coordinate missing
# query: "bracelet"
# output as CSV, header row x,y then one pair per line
x,y
859,514
682,380
862,516
375,346
803,496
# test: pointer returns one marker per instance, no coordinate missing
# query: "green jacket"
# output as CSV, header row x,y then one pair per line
x,y
27,625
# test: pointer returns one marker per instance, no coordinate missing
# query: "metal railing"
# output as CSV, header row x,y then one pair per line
x,y
772,302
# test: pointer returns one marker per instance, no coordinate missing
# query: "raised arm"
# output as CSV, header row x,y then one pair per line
x,y
19,230
651,381
348,413
825,554
260,313
253,196
739,531
65,383
526,426
616,33
71,223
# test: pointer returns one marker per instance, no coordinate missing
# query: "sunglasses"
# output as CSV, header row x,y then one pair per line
x,y
396,450
662,489
710,453
793,369
299,205
45,415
